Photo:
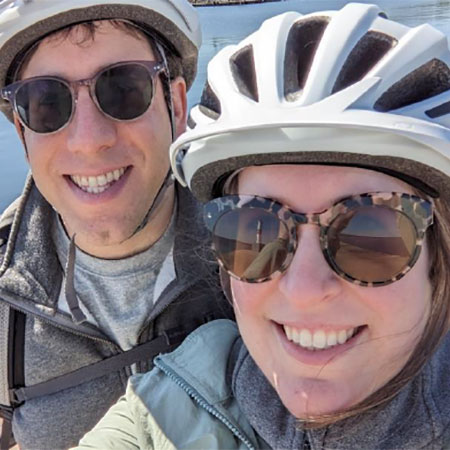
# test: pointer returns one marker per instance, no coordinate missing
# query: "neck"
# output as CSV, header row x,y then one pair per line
x,y
138,242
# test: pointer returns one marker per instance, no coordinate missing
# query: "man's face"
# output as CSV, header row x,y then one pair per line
x,y
131,156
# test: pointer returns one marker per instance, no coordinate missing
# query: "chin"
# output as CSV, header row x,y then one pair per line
x,y
103,236
318,398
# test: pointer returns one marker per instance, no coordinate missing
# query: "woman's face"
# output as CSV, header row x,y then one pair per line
x,y
310,300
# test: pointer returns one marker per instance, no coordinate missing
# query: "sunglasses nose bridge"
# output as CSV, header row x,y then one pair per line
x,y
76,85
306,219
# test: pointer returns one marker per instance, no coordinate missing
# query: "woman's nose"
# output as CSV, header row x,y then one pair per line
x,y
309,279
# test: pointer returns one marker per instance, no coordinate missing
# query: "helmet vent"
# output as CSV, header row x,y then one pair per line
x,y
191,123
438,111
209,103
301,45
428,80
242,65
367,52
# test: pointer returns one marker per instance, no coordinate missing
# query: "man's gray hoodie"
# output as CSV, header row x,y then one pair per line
x,y
30,282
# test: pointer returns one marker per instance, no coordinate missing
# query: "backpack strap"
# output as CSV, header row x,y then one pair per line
x,y
12,366
164,343
4,359
13,370
5,405
93,371
6,438
12,332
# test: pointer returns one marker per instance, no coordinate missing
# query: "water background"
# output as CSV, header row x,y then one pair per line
x,y
224,25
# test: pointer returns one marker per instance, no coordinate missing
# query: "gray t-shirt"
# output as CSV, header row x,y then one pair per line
x,y
119,295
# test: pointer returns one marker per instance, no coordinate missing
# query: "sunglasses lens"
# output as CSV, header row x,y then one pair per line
x,y
44,105
372,243
124,92
251,243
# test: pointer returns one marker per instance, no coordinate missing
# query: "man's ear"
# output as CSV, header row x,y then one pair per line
x,y
179,101
21,132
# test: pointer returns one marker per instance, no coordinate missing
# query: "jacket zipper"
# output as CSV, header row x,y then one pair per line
x,y
203,403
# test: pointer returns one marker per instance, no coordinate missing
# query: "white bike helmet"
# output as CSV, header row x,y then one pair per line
x,y
344,87
174,23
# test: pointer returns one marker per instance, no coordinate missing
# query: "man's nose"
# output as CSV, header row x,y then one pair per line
x,y
89,131
309,279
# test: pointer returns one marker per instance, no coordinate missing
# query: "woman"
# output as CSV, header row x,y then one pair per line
x,y
322,149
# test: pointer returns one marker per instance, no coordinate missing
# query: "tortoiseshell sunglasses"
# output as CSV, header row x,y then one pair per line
x,y
369,239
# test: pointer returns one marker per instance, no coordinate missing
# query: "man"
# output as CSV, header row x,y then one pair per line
x,y
103,264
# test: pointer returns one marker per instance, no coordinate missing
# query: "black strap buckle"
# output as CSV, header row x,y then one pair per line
x,y
15,398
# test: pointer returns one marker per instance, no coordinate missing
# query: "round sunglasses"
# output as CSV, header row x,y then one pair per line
x,y
370,239
122,91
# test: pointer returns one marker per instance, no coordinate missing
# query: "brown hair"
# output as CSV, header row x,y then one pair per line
x,y
89,29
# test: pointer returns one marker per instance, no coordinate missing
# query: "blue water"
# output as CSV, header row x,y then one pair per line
x,y
224,25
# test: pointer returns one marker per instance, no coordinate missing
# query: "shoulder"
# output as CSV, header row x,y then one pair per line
x,y
205,350
6,219
187,388
436,389
185,385
8,214
201,359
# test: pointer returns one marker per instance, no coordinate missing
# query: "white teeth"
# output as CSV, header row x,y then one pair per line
x,y
319,339
288,331
305,338
99,183
101,180
331,339
342,337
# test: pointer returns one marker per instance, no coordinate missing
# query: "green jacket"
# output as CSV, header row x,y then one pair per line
x,y
185,391
186,402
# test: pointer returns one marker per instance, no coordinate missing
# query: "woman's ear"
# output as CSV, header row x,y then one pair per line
x,y
179,102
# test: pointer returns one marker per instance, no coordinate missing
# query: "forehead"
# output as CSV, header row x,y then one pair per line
x,y
315,187
55,55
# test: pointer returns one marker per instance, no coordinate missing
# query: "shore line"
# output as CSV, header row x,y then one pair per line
x,y
228,2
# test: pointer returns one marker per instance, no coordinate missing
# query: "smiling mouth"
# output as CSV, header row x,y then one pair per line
x,y
320,339
99,183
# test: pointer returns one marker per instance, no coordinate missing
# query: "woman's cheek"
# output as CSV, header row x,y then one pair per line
x,y
247,297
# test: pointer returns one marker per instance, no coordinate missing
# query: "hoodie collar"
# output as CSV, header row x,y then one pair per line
x,y
415,418
31,271
32,274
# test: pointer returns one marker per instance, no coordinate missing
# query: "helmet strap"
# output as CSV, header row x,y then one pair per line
x,y
169,178
168,181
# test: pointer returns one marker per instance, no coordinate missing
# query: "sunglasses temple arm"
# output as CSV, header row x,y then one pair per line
x,y
168,89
